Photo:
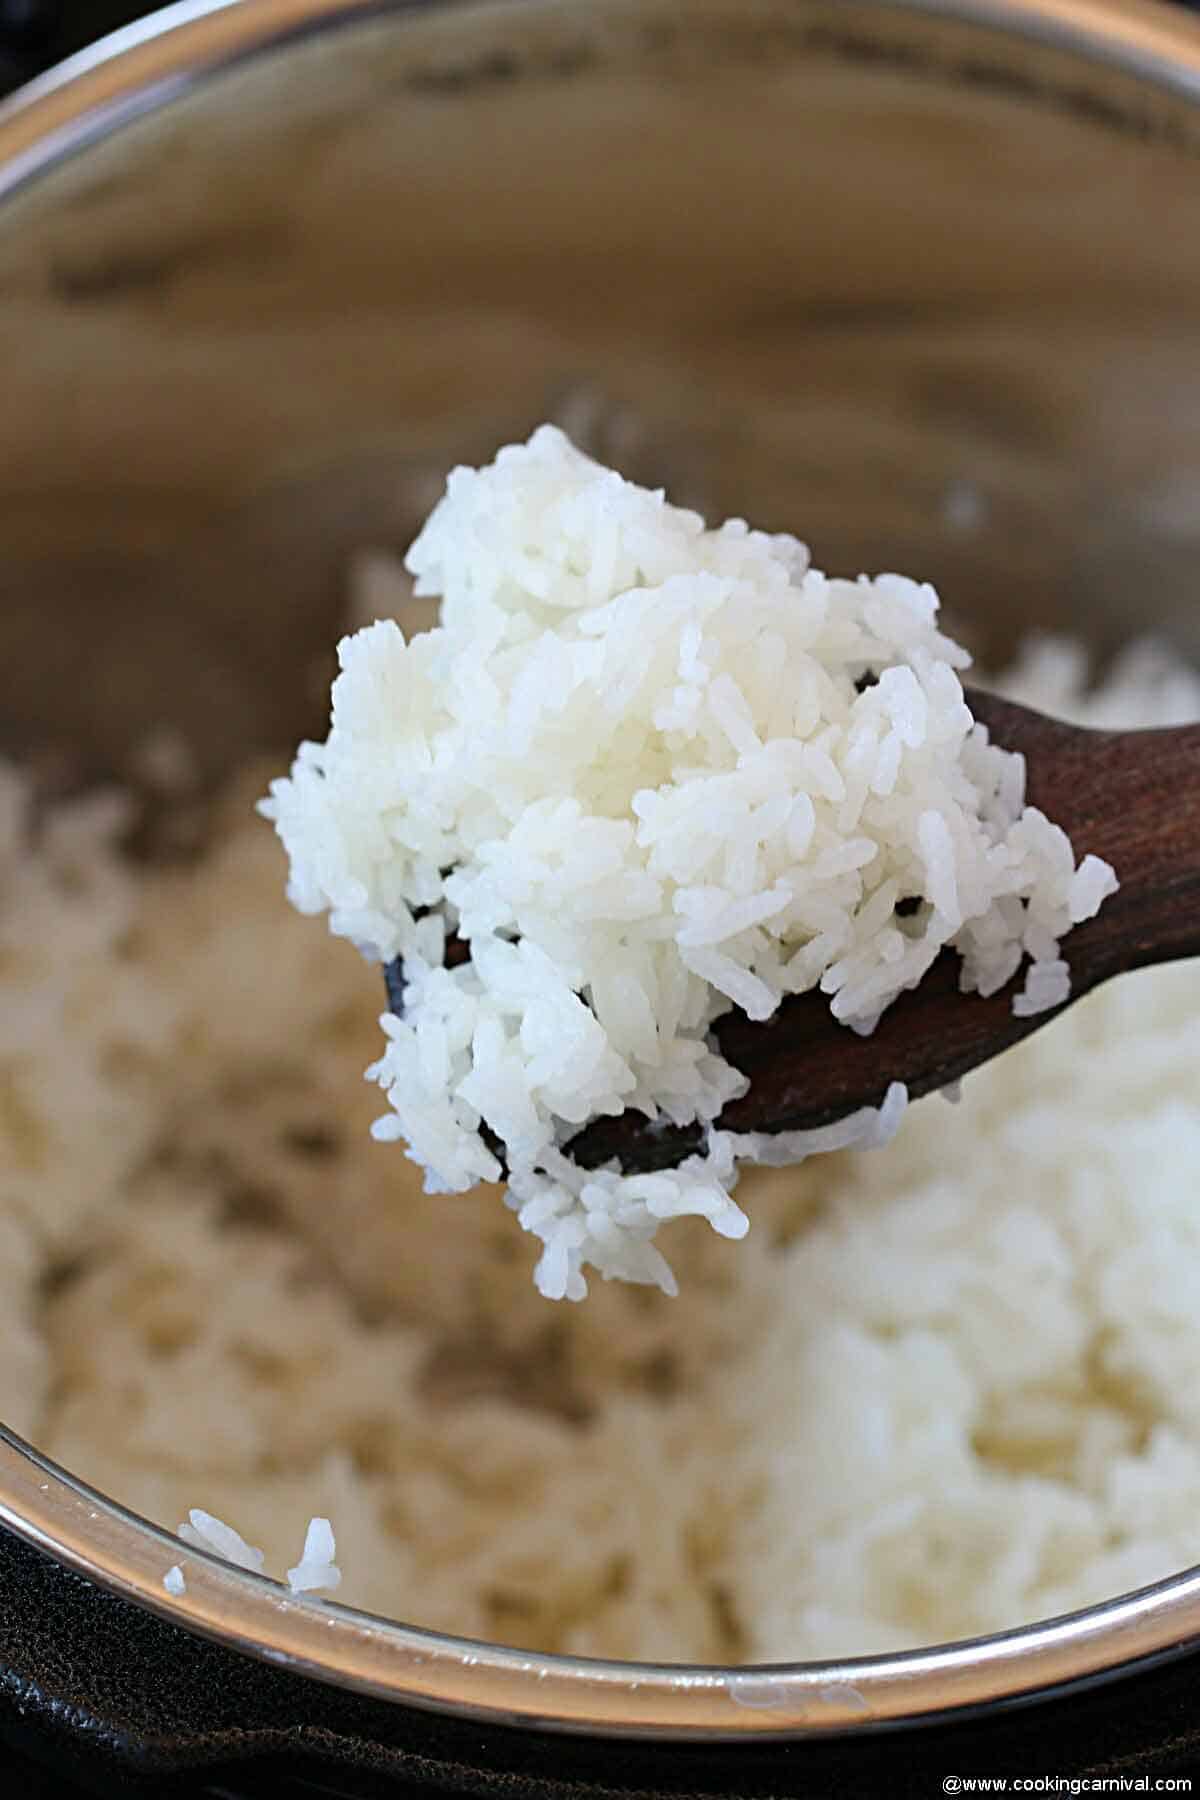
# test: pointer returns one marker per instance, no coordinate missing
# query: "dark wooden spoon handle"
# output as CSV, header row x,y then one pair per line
x,y
1132,797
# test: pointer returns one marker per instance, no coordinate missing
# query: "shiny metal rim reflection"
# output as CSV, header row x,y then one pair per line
x,y
134,72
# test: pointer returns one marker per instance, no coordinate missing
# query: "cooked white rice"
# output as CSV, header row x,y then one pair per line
x,y
316,1570
648,772
206,1533
942,1390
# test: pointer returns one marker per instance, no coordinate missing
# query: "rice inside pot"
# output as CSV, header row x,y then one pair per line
x,y
939,1391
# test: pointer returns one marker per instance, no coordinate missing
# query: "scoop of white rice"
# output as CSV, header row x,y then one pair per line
x,y
649,772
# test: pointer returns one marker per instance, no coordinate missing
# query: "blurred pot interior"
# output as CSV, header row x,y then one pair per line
x,y
921,291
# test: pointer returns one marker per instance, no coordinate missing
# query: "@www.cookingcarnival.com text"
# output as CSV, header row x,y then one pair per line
x,y
1066,1784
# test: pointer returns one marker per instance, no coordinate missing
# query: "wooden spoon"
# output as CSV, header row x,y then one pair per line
x,y
1132,797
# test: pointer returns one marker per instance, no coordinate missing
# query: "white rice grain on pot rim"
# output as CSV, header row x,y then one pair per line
x,y
316,1570
205,1532
638,770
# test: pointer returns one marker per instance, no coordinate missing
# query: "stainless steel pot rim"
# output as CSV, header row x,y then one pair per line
x,y
50,1509
136,71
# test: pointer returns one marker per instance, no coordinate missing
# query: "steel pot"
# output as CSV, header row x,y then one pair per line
x,y
920,279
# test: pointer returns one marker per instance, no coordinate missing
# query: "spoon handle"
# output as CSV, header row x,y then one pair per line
x,y
1132,797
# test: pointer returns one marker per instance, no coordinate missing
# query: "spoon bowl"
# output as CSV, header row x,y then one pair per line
x,y
1131,797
